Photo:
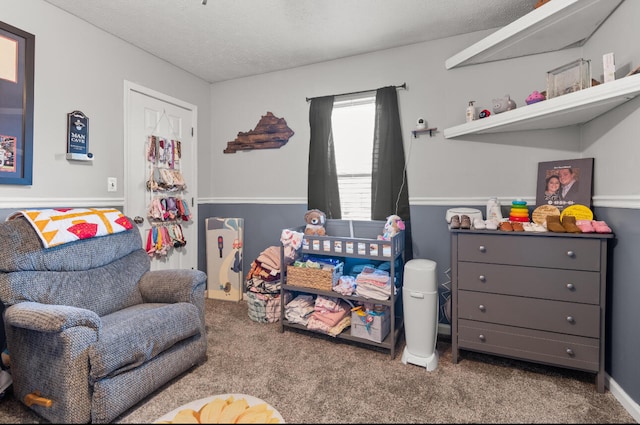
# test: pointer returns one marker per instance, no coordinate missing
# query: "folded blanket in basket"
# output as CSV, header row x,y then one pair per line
x,y
63,225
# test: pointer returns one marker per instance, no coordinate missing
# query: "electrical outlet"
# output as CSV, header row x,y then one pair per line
x,y
112,184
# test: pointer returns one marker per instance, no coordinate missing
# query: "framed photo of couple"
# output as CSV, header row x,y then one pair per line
x,y
565,183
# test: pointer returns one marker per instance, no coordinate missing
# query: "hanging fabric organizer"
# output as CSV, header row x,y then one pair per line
x,y
166,207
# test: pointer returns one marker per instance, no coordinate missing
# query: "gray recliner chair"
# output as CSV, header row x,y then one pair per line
x,y
90,330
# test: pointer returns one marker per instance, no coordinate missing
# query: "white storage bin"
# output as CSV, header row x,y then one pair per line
x,y
378,328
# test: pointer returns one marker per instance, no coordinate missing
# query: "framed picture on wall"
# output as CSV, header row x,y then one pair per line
x,y
565,183
17,50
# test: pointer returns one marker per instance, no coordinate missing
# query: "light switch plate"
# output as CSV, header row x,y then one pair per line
x,y
112,184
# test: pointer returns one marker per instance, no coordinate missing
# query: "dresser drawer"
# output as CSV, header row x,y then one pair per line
x,y
530,250
531,313
527,344
555,284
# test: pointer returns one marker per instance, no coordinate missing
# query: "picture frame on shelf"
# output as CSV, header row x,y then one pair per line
x,y
565,182
17,53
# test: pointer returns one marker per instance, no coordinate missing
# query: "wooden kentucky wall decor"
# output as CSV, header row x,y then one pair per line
x,y
270,133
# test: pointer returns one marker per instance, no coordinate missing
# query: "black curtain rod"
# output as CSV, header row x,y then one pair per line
x,y
402,86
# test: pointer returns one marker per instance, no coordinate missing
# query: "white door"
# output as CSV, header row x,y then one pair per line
x,y
149,113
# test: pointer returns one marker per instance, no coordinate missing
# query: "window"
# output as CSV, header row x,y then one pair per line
x,y
353,122
388,188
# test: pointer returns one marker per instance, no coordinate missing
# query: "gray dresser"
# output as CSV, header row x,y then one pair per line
x,y
537,297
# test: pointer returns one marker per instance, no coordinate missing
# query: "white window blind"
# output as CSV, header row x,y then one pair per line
x,y
352,124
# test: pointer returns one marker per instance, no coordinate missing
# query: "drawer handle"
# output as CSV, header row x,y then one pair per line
x,y
571,254
570,352
482,307
570,286
570,319
482,278
481,337
482,248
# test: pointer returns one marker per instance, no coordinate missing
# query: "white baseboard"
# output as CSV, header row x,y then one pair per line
x,y
630,406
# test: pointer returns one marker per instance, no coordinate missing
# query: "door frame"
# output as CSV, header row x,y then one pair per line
x,y
131,87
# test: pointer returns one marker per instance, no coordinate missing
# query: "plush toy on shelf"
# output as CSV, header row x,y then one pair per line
x,y
315,220
392,227
503,104
534,97
484,113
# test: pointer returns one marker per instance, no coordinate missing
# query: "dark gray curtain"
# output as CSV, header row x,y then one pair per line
x,y
322,186
389,186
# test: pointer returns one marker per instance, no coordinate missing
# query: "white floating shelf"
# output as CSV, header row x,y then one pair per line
x,y
556,25
569,109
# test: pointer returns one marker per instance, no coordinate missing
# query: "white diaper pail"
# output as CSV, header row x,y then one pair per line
x,y
420,303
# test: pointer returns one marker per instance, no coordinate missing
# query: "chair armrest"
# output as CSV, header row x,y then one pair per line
x,y
50,318
171,286
49,346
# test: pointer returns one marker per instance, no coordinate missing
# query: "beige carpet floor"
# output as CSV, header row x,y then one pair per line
x,y
316,379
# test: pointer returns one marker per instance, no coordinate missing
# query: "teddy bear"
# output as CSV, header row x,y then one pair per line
x,y
392,227
315,220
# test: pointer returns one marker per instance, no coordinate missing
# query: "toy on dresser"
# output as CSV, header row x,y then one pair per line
x,y
392,227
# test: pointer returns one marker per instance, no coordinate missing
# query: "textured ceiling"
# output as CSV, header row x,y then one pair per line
x,y
227,39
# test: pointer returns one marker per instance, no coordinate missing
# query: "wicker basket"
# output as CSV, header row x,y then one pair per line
x,y
323,279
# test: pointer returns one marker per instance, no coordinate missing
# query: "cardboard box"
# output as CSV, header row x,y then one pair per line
x,y
378,328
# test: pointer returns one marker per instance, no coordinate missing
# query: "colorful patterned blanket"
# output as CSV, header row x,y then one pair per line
x,y
62,225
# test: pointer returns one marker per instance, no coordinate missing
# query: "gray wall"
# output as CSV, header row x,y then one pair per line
x,y
268,187
92,81
623,293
